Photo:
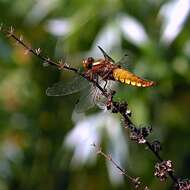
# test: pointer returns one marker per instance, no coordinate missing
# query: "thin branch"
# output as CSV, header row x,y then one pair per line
x,y
139,135
135,180
60,65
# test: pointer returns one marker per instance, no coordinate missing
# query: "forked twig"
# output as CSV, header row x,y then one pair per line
x,y
134,180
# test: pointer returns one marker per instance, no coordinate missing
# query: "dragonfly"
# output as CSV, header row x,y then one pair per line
x,y
104,71
107,69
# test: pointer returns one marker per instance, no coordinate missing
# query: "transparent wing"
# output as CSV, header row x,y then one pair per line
x,y
126,60
65,88
92,96
99,99
106,56
85,101
123,61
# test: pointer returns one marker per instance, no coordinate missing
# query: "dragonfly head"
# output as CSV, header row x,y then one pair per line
x,y
87,63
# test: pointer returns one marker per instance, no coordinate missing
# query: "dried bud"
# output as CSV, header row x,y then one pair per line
x,y
66,64
139,134
114,110
156,146
183,185
162,169
128,113
123,107
115,107
136,181
146,131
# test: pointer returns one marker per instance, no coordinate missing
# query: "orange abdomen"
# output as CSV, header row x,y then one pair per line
x,y
127,77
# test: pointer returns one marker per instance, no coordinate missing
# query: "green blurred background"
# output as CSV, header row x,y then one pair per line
x,y
36,130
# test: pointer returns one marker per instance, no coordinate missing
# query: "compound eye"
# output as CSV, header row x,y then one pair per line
x,y
90,60
87,64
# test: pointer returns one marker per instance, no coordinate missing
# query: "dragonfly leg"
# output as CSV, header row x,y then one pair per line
x,y
106,82
94,77
106,75
91,76
94,97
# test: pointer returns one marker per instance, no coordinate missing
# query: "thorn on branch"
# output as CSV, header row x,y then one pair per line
x,y
163,169
46,63
62,65
21,38
61,61
10,32
38,51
